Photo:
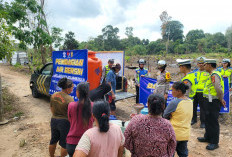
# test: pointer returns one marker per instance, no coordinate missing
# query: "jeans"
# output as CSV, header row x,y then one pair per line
x,y
182,149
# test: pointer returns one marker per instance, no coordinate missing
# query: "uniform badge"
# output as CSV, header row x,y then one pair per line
x,y
168,76
213,79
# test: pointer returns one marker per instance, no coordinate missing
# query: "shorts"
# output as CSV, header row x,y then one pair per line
x,y
59,131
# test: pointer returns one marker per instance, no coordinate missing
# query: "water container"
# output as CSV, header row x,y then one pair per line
x,y
94,70
144,111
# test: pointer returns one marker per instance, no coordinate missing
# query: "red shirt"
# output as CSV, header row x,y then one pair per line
x,y
77,128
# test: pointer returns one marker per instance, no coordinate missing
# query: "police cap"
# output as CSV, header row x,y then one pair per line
x,y
210,61
183,61
201,59
226,60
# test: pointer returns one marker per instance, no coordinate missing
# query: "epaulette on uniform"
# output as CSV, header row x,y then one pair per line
x,y
195,70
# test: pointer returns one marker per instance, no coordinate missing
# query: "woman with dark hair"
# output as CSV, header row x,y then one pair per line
x,y
163,80
180,112
151,135
59,122
79,116
104,140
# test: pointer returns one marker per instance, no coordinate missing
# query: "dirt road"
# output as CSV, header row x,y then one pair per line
x,y
35,129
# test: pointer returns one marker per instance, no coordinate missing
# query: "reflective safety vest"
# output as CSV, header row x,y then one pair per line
x,y
227,72
107,70
202,77
209,88
140,72
192,78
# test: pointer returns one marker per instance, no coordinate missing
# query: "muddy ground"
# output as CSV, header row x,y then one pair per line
x,y
32,130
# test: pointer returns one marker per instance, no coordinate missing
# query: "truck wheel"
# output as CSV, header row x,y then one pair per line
x,y
34,92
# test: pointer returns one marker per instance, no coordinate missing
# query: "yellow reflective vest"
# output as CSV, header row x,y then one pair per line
x,y
209,88
202,77
107,70
192,78
227,72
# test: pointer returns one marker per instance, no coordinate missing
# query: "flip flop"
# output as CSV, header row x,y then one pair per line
x,y
112,117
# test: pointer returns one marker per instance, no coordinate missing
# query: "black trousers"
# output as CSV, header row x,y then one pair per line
x,y
182,148
212,129
199,99
137,94
70,149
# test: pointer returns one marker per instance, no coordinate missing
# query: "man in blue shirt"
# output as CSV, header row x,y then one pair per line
x,y
111,80
141,71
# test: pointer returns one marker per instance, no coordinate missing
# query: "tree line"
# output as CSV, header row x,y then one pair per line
x,y
26,22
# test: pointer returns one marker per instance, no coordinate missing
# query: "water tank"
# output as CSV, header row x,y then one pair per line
x,y
94,70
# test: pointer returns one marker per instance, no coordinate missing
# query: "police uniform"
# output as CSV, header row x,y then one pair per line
x,y
189,79
213,93
105,71
163,81
226,72
138,73
202,77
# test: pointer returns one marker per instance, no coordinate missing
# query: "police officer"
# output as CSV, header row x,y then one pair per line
x,y
106,69
141,71
189,77
202,76
163,80
213,93
226,71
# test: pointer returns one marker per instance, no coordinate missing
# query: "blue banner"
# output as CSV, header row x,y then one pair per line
x,y
226,96
147,87
71,64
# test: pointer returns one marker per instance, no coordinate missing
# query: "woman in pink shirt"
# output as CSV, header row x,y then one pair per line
x,y
79,116
104,140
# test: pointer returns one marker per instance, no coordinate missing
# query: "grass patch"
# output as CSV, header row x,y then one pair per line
x,y
10,104
18,114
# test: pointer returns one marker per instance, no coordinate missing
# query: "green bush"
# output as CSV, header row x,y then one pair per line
x,y
127,58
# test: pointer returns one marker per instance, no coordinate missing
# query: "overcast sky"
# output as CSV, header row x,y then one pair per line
x,y
86,18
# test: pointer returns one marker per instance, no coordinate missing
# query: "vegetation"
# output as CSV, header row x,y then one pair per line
x,y
25,21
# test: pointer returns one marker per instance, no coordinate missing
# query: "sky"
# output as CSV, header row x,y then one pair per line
x,y
87,18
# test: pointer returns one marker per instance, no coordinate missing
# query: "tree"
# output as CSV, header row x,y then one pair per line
x,y
110,37
139,49
229,37
56,37
202,45
6,44
173,31
129,32
192,37
27,22
70,43
165,18
219,38
156,47
145,41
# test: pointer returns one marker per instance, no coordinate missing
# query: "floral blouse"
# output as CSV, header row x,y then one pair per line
x,y
147,136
